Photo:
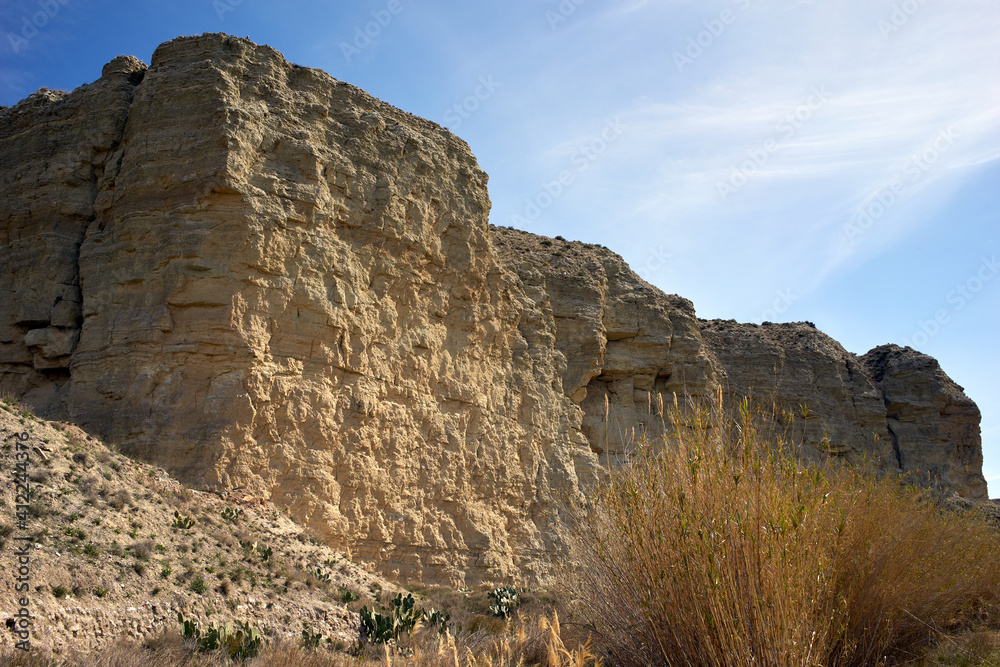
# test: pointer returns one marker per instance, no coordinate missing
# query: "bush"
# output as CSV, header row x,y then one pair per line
x,y
232,514
401,618
718,546
505,600
346,595
240,641
143,550
121,498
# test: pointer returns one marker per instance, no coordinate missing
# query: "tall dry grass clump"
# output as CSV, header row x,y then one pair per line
x,y
537,641
717,545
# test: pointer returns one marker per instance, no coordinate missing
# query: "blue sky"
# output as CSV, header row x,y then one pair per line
x,y
784,160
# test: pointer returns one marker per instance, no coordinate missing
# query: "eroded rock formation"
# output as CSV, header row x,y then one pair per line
x,y
261,277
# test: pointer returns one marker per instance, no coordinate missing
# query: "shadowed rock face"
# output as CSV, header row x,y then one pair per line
x,y
837,406
258,276
933,425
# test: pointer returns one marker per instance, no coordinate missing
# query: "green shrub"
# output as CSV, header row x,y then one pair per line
x,y
505,600
346,595
378,628
232,514
265,553
240,641
312,640
75,533
400,618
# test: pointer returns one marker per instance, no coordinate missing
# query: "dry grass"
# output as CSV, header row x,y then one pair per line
x,y
722,548
538,642
971,649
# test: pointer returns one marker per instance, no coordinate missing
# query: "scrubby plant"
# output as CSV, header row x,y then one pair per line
x,y
75,534
240,641
346,595
400,618
198,585
505,600
378,628
253,548
182,522
717,545
142,550
232,514
121,498
437,618
312,640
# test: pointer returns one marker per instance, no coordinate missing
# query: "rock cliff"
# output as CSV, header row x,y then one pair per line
x,y
258,276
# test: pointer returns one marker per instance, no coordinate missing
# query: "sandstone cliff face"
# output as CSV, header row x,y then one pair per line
x,y
54,151
288,286
261,277
625,341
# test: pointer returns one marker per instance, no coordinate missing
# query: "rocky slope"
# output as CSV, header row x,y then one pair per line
x,y
108,560
260,277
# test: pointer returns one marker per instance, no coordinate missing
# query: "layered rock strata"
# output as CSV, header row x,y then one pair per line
x,y
626,341
258,276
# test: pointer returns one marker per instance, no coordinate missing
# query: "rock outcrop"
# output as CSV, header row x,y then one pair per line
x,y
626,341
258,276
932,425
